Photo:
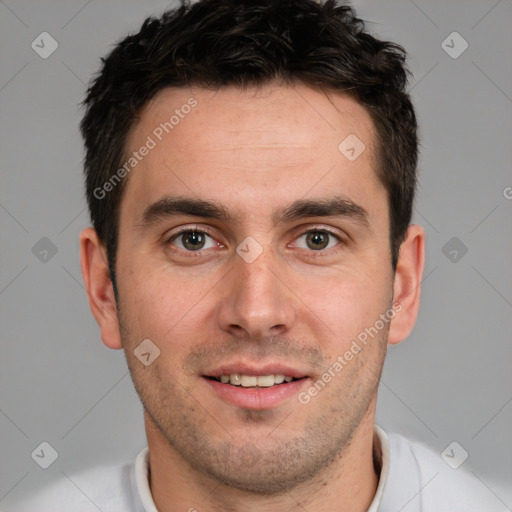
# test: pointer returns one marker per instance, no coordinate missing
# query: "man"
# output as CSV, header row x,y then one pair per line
x,y
250,173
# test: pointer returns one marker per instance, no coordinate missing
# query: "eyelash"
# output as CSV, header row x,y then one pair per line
x,y
313,254
323,253
188,230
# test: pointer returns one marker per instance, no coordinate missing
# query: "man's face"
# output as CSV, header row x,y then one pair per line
x,y
290,300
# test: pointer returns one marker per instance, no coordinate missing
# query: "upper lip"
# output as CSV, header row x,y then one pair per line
x,y
256,370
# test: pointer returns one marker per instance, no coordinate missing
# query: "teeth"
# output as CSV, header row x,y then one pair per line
x,y
265,381
249,381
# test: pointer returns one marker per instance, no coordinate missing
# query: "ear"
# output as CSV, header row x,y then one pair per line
x,y
407,284
99,287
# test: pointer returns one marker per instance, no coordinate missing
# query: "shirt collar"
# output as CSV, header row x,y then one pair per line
x,y
381,456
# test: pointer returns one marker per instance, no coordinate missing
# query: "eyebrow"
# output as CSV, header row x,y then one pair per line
x,y
170,206
338,206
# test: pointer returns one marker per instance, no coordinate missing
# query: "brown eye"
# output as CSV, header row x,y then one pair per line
x,y
317,240
193,240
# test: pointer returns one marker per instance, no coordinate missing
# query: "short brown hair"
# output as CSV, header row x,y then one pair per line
x,y
216,43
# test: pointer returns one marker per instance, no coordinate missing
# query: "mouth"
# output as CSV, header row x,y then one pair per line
x,y
254,381
254,388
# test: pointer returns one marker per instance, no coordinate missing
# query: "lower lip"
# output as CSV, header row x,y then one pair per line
x,y
256,398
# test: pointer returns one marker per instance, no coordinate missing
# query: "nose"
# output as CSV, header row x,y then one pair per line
x,y
256,302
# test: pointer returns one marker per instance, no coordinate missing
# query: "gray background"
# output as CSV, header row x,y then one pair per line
x,y
450,381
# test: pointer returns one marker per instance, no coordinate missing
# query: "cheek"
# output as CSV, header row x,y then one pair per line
x,y
351,303
161,305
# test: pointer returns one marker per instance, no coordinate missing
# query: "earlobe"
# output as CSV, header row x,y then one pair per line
x,y
407,284
99,288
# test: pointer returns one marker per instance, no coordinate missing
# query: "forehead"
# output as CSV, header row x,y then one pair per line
x,y
250,148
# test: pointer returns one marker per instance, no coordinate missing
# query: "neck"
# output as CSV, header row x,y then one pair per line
x,y
349,483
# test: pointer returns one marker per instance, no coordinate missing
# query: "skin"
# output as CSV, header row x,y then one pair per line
x,y
255,152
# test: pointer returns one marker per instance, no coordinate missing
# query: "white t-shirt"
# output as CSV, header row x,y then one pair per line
x,y
413,478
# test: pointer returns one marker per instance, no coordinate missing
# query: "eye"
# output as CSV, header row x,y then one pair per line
x,y
317,240
193,240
